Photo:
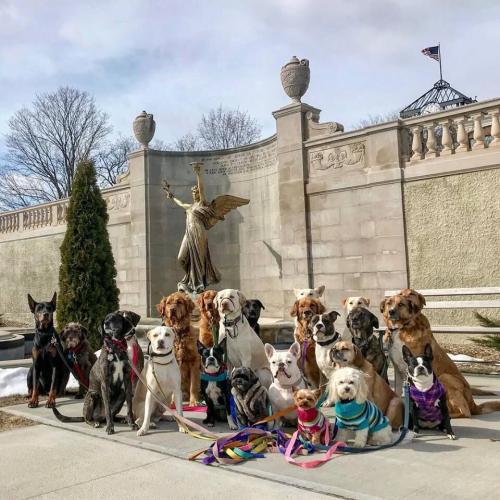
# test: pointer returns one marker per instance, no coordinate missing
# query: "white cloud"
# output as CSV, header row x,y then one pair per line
x,y
178,59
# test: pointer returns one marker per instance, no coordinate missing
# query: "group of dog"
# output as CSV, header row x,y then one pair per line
x,y
243,381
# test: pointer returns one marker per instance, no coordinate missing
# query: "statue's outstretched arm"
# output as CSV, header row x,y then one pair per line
x,y
170,196
201,187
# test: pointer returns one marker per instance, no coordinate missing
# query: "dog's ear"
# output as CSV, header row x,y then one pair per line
x,y
320,290
321,307
161,307
362,390
333,395
32,303
343,302
242,298
189,304
128,326
294,311
84,333
333,315
295,349
223,344
53,301
407,355
260,304
317,393
200,301
367,300
382,305
348,321
428,352
134,317
270,351
374,320
296,292
200,347
217,301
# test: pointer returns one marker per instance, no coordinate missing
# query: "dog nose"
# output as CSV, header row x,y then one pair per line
x,y
161,344
281,365
392,312
347,389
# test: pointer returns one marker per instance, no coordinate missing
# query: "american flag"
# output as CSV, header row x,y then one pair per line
x,y
432,52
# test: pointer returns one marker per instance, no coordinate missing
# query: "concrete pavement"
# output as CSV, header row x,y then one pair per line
x,y
430,466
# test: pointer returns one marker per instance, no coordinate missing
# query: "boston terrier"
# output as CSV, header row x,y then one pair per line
x,y
429,407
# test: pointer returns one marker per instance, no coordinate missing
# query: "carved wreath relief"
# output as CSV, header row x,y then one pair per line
x,y
352,154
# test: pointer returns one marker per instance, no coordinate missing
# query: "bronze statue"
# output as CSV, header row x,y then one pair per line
x,y
194,255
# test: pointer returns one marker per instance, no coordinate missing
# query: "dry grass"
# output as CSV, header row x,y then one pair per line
x,y
476,351
9,422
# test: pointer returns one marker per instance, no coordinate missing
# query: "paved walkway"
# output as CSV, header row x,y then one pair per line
x,y
59,463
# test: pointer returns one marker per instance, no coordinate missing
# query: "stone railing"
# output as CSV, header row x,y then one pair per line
x,y
54,214
453,131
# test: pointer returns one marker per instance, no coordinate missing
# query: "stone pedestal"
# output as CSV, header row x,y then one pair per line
x,y
291,128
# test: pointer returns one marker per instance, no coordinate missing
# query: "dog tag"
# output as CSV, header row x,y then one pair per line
x,y
111,357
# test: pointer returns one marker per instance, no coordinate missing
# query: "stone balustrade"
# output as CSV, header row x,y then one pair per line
x,y
54,214
454,131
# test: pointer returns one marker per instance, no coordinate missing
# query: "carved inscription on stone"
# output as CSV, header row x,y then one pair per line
x,y
339,157
244,162
118,201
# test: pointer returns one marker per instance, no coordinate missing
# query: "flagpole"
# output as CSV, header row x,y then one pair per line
x,y
440,68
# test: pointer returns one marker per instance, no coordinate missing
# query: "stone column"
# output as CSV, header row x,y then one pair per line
x,y
431,141
478,131
136,261
446,140
495,129
416,144
462,137
292,168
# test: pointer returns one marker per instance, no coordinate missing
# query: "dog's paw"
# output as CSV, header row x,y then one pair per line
x,y
97,425
325,404
133,426
358,444
152,425
50,403
181,429
33,404
110,429
142,432
452,437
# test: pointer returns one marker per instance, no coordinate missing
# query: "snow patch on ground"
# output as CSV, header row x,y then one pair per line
x,y
13,381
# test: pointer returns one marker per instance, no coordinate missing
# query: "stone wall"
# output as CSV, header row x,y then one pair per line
x,y
30,257
361,212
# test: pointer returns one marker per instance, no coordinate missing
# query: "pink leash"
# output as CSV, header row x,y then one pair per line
x,y
311,464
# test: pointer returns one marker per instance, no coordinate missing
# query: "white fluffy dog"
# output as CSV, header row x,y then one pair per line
x,y
313,293
244,347
354,412
287,378
162,374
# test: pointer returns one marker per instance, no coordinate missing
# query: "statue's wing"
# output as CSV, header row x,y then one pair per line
x,y
222,205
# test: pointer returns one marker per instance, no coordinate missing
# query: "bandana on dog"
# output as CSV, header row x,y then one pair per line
x,y
358,416
427,401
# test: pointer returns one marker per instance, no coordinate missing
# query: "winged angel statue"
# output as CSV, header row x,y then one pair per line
x,y
194,255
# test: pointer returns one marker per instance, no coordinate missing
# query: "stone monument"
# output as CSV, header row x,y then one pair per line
x,y
201,216
144,129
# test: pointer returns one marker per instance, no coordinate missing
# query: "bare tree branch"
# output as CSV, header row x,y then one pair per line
x,y
45,144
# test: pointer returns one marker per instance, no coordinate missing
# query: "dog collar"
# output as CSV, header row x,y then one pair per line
x,y
232,322
327,342
77,349
156,355
218,377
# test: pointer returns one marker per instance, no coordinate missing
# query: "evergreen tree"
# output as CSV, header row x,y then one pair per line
x,y
87,276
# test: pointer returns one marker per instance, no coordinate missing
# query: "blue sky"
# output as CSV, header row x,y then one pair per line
x,y
178,59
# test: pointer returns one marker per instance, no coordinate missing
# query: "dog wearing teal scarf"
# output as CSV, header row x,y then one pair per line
x,y
355,414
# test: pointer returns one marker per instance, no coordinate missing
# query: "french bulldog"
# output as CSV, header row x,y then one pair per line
x,y
287,378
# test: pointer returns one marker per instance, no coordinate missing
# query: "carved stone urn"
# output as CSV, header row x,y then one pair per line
x,y
295,78
144,129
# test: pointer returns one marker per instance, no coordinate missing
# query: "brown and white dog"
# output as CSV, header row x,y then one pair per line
x,y
303,310
345,353
209,317
407,325
175,311
79,356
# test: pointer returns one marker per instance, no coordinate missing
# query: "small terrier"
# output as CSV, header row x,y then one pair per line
x,y
311,422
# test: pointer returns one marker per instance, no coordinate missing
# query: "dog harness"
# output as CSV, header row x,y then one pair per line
x,y
232,323
72,358
427,401
357,416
